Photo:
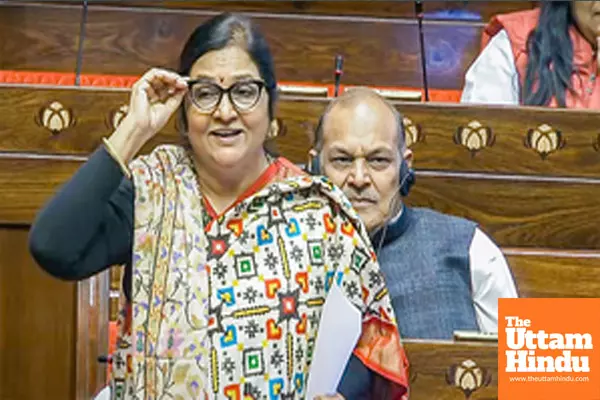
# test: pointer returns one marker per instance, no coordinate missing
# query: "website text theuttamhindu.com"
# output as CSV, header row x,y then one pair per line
x,y
530,378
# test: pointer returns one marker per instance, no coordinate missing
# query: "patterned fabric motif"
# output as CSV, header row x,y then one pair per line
x,y
230,310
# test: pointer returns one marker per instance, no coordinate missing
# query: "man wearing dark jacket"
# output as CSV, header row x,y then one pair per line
x,y
443,273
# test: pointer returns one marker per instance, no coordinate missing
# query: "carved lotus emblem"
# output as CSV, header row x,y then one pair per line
x,y
412,132
468,377
115,117
474,137
596,143
545,140
55,118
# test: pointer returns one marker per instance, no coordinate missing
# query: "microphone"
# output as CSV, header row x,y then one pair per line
x,y
105,359
339,70
419,12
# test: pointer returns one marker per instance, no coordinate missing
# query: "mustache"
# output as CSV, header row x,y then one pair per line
x,y
353,195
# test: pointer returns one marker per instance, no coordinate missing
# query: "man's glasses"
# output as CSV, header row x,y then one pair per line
x,y
207,96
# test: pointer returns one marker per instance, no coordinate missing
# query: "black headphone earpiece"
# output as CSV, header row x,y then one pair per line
x,y
407,178
314,168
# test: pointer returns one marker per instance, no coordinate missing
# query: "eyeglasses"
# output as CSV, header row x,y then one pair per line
x,y
207,96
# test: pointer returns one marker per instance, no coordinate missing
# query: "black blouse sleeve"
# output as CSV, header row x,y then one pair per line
x,y
88,225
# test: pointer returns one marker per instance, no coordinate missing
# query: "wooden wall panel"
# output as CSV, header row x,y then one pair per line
x,y
358,8
32,183
44,36
92,330
577,151
93,112
518,214
381,52
456,10
37,325
552,274
434,141
431,363
532,209
528,214
450,49
86,115
39,37
83,115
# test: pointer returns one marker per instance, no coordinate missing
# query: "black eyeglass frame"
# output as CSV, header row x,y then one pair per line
x,y
261,85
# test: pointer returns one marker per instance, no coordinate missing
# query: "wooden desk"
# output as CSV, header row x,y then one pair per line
x,y
452,371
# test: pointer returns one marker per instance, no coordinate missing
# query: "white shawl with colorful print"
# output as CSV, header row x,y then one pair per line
x,y
230,310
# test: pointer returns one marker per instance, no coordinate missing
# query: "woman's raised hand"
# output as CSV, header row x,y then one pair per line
x,y
154,99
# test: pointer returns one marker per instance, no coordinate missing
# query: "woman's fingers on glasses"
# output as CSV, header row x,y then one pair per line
x,y
171,79
164,88
167,76
162,81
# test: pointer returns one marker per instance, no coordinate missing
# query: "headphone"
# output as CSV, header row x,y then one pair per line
x,y
407,176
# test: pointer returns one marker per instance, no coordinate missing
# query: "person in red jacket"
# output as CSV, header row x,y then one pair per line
x,y
542,57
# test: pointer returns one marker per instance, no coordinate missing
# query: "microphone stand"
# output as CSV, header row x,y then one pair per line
x,y
339,70
419,12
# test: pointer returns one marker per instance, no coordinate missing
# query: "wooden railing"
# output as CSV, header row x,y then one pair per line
x,y
530,177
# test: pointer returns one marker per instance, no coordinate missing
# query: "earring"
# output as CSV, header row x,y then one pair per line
x,y
273,130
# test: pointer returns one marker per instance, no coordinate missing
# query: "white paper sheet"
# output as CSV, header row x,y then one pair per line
x,y
339,330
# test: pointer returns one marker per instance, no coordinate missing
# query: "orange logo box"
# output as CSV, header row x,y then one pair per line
x,y
549,349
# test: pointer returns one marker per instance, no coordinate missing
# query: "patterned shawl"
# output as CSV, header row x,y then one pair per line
x,y
230,309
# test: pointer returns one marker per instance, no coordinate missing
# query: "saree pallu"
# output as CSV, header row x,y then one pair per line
x,y
231,309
